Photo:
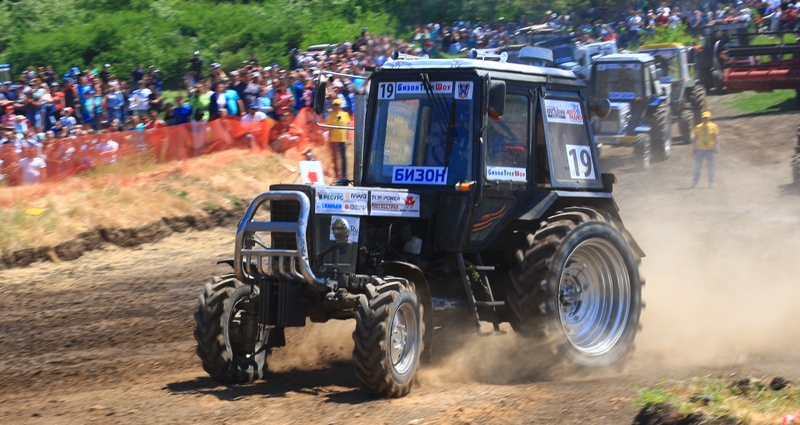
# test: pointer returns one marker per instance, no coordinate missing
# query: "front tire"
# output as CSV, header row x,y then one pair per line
x,y
641,151
660,137
231,352
388,337
697,99
577,287
686,124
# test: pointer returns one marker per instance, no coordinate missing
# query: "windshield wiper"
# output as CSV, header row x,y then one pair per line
x,y
439,109
451,128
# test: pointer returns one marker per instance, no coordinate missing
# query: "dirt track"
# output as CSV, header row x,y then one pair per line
x,y
108,338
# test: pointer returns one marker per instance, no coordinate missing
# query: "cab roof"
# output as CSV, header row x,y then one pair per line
x,y
625,57
478,65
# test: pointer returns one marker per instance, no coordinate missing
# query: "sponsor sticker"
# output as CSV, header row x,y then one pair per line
x,y
514,174
394,204
341,201
622,95
390,90
419,175
464,90
352,222
562,111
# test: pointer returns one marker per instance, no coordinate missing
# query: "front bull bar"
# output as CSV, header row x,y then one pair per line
x,y
285,264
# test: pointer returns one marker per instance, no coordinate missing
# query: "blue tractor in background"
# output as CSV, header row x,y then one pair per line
x,y
640,114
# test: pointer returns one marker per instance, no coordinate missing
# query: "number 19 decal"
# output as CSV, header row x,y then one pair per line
x,y
386,90
580,162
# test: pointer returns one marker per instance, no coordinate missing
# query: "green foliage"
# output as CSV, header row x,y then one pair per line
x,y
163,33
669,35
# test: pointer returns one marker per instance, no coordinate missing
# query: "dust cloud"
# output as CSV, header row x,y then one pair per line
x,y
721,290
723,285
316,346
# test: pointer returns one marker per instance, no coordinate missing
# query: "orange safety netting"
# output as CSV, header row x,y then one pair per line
x,y
67,156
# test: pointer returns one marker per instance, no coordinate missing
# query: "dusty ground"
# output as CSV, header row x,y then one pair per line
x,y
108,338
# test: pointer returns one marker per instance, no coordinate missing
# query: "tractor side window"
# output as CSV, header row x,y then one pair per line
x,y
506,142
572,158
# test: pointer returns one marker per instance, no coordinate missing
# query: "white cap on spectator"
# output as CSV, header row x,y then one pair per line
x,y
234,73
108,65
196,52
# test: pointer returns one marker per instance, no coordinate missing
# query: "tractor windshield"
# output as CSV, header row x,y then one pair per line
x,y
619,81
409,142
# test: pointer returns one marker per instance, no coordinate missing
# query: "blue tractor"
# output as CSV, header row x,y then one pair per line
x,y
640,113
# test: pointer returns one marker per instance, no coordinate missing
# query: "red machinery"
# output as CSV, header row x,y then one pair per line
x,y
760,67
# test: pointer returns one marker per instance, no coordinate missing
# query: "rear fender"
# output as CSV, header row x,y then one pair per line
x,y
413,273
557,200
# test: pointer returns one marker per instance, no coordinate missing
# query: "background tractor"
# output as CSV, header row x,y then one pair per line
x,y
640,115
687,96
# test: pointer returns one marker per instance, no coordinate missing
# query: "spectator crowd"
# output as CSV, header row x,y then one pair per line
x,y
47,117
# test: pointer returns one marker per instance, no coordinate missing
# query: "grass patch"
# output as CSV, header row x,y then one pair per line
x,y
785,38
748,400
776,101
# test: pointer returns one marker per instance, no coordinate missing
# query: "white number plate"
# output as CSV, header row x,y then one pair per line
x,y
580,162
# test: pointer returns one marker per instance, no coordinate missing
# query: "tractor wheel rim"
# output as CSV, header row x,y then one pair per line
x,y
594,297
403,339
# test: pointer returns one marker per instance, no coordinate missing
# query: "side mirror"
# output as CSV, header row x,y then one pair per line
x,y
601,107
319,97
497,98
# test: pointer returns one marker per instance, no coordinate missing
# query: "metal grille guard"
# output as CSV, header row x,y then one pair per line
x,y
280,263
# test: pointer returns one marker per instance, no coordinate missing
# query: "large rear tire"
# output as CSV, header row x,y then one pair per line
x,y
231,352
697,100
686,124
577,287
660,137
388,337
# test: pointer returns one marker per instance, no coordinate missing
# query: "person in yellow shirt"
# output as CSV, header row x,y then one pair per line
x,y
339,138
705,146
